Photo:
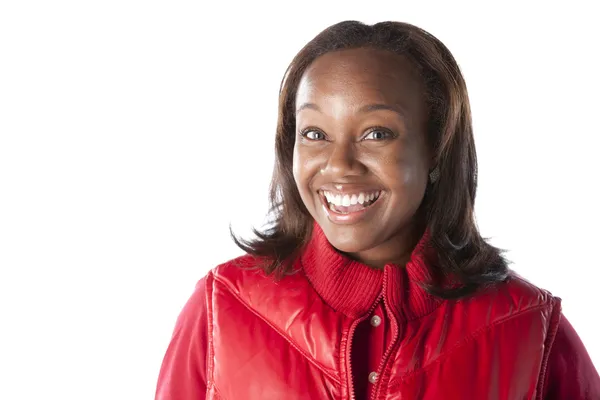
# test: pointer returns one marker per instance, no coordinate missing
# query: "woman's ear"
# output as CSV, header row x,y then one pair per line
x,y
434,169
434,174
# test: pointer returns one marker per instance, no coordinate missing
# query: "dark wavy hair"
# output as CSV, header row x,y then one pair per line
x,y
448,205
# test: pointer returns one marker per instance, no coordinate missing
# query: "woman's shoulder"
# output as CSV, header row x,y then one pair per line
x,y
513,297
247,274
242,269
521,287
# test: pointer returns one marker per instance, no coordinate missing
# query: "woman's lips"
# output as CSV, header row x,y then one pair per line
x,y
349,214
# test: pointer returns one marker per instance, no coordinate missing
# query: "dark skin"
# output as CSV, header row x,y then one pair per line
x,y
360,126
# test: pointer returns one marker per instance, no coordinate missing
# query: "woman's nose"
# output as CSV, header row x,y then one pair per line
x,y
341,161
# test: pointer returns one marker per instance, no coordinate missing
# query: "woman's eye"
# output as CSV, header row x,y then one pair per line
x,y
314,135
377,134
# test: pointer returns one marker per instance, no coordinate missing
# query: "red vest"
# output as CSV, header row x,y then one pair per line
x,y
292,339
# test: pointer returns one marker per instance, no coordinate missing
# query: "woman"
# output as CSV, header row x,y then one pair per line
x,y
373,280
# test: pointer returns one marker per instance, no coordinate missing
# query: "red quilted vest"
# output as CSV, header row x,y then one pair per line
x,y
292,339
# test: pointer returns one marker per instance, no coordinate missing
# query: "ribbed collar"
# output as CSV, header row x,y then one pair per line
x,y
353,288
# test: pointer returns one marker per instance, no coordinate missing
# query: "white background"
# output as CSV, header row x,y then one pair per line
x,y
134,132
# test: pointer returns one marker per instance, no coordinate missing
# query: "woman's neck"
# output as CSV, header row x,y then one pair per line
x,y
396,250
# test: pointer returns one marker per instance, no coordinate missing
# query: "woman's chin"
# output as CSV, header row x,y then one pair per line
x,y
349,239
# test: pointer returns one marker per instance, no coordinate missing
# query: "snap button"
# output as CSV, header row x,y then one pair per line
x,y
373,377
375,320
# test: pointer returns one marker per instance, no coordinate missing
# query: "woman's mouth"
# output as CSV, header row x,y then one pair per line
x,y
348,203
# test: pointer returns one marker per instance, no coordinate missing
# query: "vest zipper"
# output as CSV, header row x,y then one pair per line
x,y
388,352
349,351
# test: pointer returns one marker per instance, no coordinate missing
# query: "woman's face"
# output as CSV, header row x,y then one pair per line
x,y
360,157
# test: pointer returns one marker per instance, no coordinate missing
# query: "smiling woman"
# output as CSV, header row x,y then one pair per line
x,y
370,116
372,280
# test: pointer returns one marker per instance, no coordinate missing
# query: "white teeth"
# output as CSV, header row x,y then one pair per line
x,y
346,201
361,198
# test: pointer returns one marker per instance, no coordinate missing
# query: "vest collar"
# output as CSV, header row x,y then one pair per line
x,y
353,288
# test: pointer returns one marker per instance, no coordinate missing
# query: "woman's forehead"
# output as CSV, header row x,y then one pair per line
x,y
358,78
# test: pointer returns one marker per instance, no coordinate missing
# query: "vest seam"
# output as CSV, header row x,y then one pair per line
x,y
209,313
455,302
215,391
343,364
551,335
289,340
472,338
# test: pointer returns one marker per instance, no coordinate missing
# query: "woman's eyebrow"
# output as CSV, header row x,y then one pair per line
x,y
311,106
365,109
376,107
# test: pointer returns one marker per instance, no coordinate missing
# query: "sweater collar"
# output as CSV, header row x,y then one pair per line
x,y
353,288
